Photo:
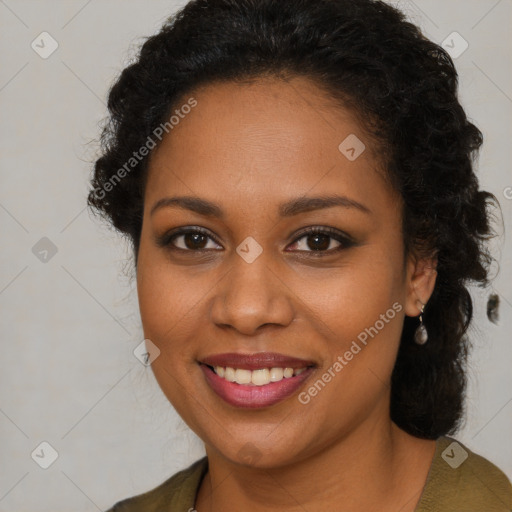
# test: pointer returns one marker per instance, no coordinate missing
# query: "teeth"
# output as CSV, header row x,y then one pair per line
x,y
229,374
243,376
259,377
276,374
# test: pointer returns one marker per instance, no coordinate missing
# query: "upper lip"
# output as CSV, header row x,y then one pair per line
x,y
255,361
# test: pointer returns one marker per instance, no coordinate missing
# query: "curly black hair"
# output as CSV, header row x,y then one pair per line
x,y
403,87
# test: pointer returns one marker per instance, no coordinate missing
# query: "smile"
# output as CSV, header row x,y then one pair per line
x,y
255,380
260,377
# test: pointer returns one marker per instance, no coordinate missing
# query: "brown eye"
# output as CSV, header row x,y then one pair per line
x,y
194,240
190,239
318,242
322,240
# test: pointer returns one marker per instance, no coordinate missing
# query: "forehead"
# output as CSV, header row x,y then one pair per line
x,y
258,143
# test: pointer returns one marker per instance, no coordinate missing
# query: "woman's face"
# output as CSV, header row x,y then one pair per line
x,y
254,283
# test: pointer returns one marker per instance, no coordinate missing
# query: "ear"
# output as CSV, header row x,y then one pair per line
x,y
420,282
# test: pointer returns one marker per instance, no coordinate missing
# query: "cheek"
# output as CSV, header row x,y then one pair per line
x,y
168,298
360,311
353,297
167,302
359,354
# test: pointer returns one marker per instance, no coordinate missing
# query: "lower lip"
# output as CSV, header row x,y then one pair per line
x,y
240,395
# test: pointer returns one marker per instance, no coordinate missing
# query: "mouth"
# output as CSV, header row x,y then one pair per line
x,y
255,380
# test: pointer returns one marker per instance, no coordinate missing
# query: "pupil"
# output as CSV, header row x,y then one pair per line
x,y
196,237
320,246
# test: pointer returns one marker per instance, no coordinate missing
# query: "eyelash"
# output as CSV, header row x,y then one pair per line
x,y
345,241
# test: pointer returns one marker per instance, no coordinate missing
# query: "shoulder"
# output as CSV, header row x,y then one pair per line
x,y
176,493
460,479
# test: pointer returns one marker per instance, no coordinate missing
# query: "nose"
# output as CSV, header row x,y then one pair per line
x,y
250,296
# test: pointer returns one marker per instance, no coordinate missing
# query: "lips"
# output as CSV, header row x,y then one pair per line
x,y
255,396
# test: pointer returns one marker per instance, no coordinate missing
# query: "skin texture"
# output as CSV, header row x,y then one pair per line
x,y
250,148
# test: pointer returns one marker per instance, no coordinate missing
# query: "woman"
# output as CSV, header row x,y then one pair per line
x,y
297,180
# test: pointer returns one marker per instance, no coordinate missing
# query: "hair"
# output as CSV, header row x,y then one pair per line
x,y
365,54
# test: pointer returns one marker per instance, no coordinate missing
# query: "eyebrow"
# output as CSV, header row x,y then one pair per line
x,y
287,209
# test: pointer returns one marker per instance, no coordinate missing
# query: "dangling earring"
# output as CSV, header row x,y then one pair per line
x,y
421,335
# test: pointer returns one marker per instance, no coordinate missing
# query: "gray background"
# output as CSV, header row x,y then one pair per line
x,y
69,324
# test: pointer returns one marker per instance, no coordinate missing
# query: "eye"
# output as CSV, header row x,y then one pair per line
x,y
193,239
319,240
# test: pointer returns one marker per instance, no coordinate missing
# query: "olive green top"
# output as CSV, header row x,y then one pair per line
x,y
458,481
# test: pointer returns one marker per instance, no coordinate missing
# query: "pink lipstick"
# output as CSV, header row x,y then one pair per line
x,y
255,380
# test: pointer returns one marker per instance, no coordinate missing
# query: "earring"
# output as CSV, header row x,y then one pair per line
x,y
421,335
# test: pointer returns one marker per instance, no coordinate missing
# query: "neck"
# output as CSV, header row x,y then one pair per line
x,y
377,467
